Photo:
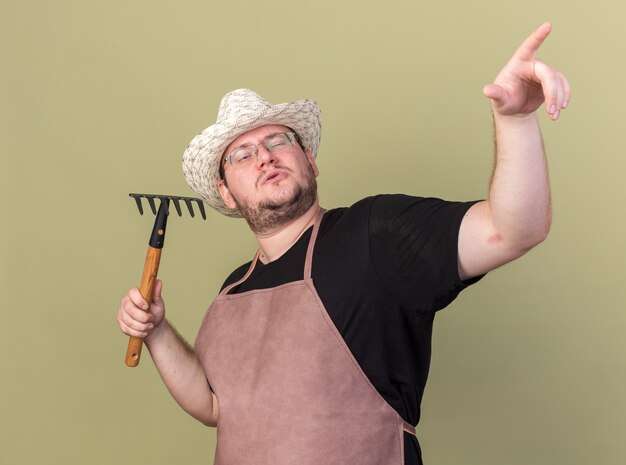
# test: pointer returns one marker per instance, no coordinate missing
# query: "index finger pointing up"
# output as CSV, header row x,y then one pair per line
x,y
529,47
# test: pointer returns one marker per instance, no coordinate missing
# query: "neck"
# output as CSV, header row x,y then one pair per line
x,y
275,243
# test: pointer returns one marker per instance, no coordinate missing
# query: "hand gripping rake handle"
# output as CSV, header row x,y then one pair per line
x,y
153,257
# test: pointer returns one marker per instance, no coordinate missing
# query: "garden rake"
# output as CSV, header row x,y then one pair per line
x,y
155,245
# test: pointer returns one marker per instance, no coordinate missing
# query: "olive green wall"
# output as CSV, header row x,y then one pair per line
x,y
100,99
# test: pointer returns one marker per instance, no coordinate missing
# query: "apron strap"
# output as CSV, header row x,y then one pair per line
x,y
408,428
308,262
248,273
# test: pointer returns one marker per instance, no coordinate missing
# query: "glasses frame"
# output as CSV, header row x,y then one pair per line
x,y
292,137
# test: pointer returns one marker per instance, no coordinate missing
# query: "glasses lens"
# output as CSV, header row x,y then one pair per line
x,y
243,154
277,142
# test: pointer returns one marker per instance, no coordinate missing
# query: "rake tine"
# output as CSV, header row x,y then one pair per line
x,y
201,207
189,206
138,202
177,205
151,202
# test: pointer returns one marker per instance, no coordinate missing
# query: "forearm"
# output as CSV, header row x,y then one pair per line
x,y
182,373
519,194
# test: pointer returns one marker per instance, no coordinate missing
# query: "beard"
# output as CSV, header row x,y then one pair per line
x,y
272,213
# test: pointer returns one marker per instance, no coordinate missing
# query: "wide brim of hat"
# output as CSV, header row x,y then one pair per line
x,y
203,154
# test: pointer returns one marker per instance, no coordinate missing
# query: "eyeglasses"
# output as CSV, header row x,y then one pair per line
x,y
274,143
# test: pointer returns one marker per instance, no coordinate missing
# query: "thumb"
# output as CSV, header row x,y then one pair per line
x,y
495,93
156,292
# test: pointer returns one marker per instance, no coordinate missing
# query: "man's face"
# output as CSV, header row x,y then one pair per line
x,y
273,189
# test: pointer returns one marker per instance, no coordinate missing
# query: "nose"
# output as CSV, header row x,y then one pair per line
x,y
264,156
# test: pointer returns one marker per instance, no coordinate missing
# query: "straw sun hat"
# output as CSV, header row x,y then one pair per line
x,y
241,111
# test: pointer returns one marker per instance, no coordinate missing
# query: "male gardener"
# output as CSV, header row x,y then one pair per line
x,y
317,351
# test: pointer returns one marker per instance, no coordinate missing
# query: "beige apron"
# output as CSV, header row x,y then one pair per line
x,y
289,390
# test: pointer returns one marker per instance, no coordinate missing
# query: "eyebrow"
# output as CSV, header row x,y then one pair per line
x,y
254,145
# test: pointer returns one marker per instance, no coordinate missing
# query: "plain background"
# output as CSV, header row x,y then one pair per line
x,y
100,99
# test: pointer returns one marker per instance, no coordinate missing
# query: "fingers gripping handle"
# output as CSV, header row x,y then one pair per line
x,y
150,270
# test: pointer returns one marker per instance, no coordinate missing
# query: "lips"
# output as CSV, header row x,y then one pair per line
x,y
273,176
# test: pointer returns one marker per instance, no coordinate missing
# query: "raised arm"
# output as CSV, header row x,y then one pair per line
x,y
175,360
517,214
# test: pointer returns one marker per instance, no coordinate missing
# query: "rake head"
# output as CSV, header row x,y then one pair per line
x,y
158,231
164,203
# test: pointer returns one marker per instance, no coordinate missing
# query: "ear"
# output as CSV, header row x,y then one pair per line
x,y
312,162
227,197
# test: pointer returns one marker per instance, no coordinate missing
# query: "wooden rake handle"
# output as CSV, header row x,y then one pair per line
x,y
150,270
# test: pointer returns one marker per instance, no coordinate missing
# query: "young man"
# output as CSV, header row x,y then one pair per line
x,y
318,350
